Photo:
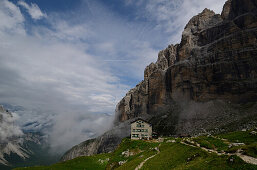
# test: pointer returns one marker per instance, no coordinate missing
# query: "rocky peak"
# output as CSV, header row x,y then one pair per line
x,y
149,70
3,114
166,58
204,20
226,9
207,63
207,18
235,8
2,109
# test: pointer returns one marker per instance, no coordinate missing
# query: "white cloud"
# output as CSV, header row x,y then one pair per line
x,y
33,10
8,129
171,16
53,76
68,132
11,18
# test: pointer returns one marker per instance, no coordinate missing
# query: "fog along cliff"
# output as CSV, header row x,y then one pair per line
x,y
207,83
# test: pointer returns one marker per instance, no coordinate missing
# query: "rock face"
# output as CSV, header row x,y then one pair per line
x,y
235,8
204,83
216,59
103,144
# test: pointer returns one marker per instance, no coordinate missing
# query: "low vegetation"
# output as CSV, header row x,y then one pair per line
x,y
174,153
179,156
242,140
130,153
210,142
96,162
246,137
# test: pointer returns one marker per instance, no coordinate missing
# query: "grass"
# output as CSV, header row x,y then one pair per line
x,y
137,146
239,137
172,155
250,150
133,163
86,162
211,143
250,141
178,156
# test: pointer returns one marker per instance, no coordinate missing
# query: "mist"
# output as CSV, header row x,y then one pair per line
x,y
8,128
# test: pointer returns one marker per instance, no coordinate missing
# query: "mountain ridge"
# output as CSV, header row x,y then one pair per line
x,y
20,148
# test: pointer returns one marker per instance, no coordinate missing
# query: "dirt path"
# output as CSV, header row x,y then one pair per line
x,y
142,163
245,158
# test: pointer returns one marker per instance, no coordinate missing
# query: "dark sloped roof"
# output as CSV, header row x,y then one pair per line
x,y
140,119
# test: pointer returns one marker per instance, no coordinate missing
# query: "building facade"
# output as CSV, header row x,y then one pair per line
x,y
141,129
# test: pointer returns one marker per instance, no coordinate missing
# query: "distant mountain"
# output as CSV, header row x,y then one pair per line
x,y
12,108
19,149
31,151
28,121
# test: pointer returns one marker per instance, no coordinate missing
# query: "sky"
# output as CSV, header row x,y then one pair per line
x,y
67,63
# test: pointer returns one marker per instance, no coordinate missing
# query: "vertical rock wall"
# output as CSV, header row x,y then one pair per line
x,y
216,59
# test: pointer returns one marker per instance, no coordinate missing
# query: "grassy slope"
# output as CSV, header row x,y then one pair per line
x,y
171,156
142,148
89,162
250,141
179,156
240,136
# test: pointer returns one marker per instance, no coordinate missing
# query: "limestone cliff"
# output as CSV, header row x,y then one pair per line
x,y
216,59
206,83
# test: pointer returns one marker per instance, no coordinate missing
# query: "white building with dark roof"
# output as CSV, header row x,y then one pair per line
x,y
141,129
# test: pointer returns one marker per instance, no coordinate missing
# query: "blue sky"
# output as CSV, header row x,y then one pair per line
x,y
73,60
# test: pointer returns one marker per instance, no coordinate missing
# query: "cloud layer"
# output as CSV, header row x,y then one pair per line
x,y
33,10
171,16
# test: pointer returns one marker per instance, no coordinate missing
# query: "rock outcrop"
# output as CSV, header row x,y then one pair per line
x,y
206,82
216,59
103,144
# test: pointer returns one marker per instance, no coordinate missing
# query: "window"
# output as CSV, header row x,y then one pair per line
x,y
134,130
144,130
135,135
138,125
